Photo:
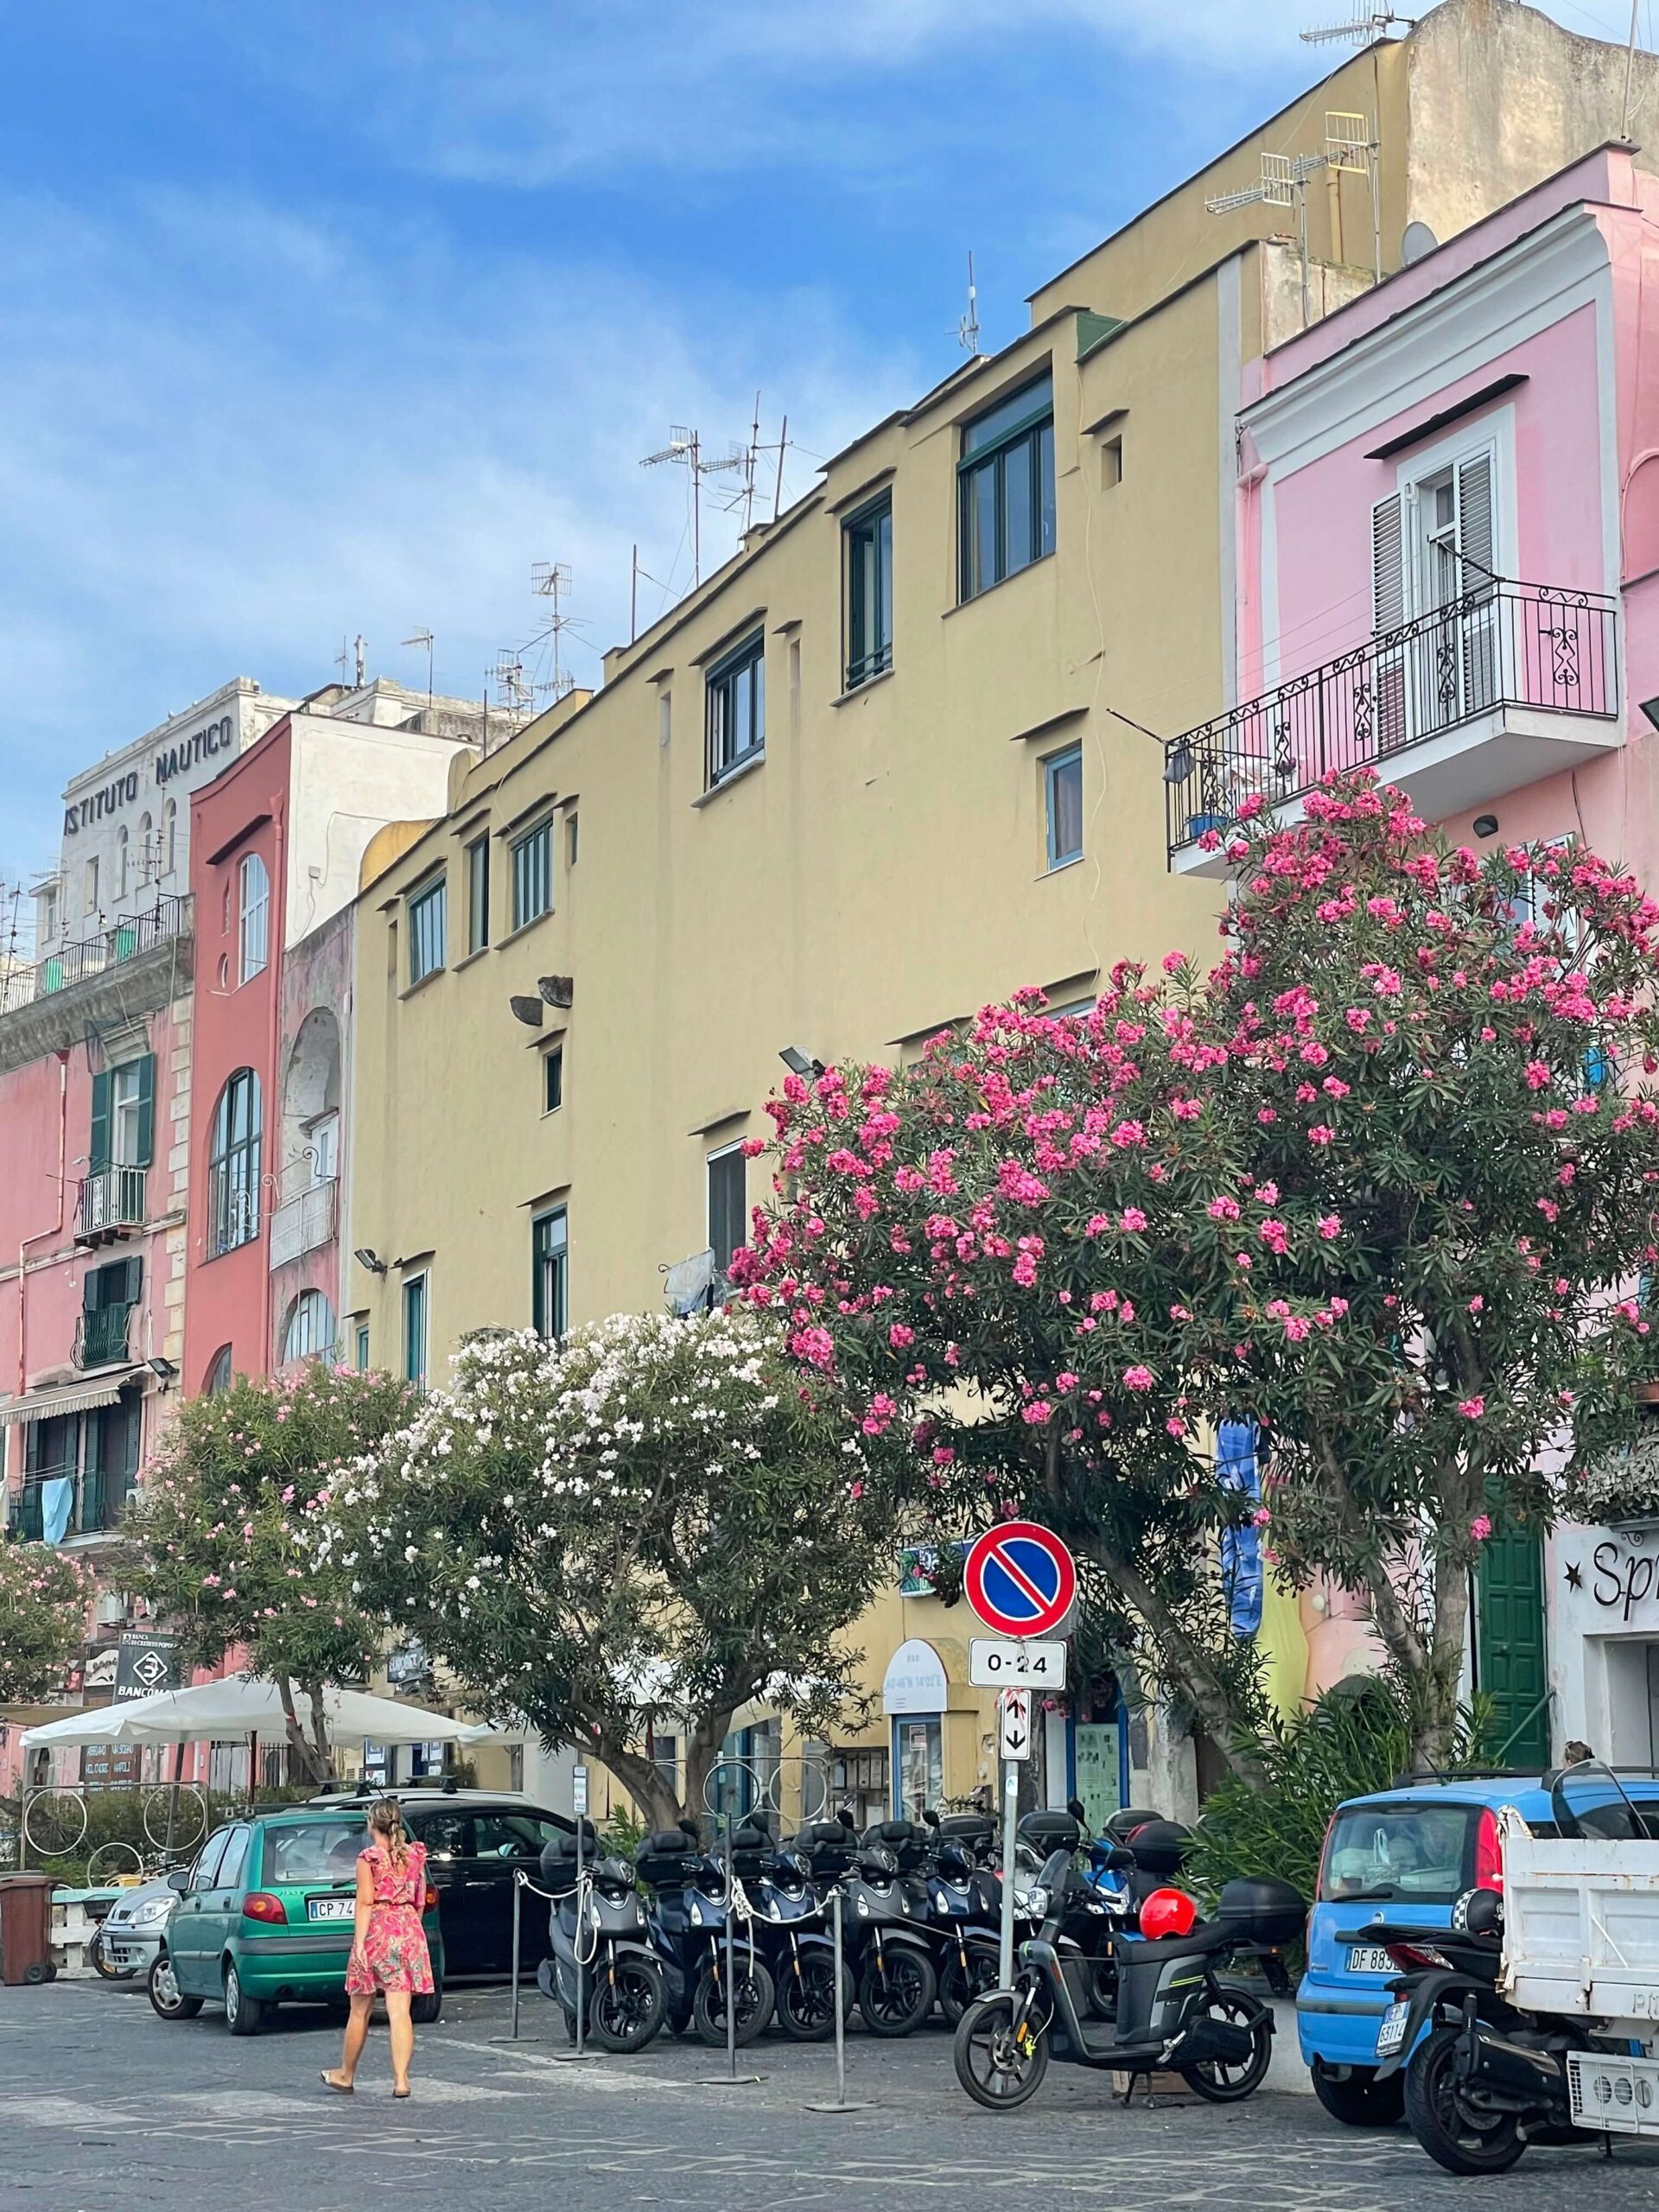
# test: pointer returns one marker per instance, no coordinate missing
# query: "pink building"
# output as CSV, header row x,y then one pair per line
x,y
1447,569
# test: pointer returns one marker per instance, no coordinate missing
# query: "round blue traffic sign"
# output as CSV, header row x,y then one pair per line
x,y
1019,1579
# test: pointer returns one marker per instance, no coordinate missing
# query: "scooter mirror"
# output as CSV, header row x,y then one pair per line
x,y
929,1816
845,1817
1078,1810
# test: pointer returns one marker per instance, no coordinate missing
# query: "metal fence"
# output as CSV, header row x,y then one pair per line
x,y
123,940
1505,645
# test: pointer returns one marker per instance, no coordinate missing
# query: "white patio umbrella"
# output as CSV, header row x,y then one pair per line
x,y
238,1707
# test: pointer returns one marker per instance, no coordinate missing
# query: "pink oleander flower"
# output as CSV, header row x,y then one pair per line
x,y
1137,1378
1472,1408
1321,1135
1223,1208
1480,1528
1134,1220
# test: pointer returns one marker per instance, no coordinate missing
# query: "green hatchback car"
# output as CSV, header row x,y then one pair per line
x,y
264,1918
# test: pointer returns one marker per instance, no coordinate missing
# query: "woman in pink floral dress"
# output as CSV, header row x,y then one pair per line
x,y
389,1954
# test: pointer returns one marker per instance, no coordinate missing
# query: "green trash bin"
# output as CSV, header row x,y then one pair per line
x,y
25,1927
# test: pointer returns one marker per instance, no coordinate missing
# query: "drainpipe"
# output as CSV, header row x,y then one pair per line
x,y
272,1099
56,1230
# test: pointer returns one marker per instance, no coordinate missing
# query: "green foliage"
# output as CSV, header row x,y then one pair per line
x,y
622,1831
1354,1738
643,1525
43,1598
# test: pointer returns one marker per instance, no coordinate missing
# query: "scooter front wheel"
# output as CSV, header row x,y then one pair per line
x,y
628,2003
806,1997
959,1985
753,2009
1000,2066
896,1993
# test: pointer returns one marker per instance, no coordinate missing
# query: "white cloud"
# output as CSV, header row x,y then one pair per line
x,y
228,438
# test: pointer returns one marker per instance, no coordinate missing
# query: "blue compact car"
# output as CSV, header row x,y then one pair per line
x,y
1405,1855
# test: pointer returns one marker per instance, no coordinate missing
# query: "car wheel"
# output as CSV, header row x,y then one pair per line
x,y
1356,2098
428,2008
167,2000
244,2015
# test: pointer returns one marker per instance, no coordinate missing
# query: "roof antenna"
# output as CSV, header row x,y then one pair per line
x,y
424,638
685,447
1358,30
967,325
551,580
1630,67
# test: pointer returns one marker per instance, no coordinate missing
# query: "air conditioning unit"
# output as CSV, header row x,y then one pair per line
x,y
111,1611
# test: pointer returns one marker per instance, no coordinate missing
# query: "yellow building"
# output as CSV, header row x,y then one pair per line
x,y
893,760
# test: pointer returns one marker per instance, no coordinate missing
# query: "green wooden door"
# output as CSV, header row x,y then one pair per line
x,y
1510,1646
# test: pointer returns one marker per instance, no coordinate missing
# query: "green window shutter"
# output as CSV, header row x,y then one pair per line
x,y
146,1110
134,1283
98,1150
92,1291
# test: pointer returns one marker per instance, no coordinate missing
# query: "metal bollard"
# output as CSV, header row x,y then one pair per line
x,y
842,2103
520,1883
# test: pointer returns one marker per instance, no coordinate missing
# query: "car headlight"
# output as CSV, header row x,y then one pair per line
x,y
152,1913
1037,1901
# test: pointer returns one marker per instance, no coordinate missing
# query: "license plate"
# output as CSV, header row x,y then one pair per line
x,y
330,1907
1392,2033
1367,1958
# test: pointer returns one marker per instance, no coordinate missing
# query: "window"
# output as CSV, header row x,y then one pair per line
x,y
736,694
111,1462
123,1133
123,859
322,1142
553,1080
147,856
428,922
218,1373
108,1295
727,1197
233,1165
532,874
253,909
89,880
1111,464
549,1263
478,894
569,841
1063,787
236,1853
204,1875
500,1833
414,1326
48,913
310,1328
869,593
169,836
665,719
1004,507
361,1353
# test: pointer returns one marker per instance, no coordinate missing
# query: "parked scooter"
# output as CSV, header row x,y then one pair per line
x,y
884,1921
1173,2010
789,1927
690,1906
963,1903
598,1931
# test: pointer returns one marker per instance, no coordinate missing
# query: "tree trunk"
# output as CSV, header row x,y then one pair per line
x,y
304,1757
702,1756
1191,1671
645,1781
320,1745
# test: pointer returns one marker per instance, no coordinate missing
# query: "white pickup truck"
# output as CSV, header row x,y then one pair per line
x,y
1581,1942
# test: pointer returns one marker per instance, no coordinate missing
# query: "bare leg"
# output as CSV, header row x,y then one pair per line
x,y
356,2031
403,2038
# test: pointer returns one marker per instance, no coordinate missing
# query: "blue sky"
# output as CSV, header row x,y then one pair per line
x,y
334,315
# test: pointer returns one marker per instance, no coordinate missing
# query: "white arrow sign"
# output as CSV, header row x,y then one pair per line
x,y
1014,1725
994,1663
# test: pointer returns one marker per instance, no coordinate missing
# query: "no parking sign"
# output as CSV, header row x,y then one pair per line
x,y
1019,1579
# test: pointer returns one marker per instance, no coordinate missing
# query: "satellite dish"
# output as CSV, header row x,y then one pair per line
x,y
1416,241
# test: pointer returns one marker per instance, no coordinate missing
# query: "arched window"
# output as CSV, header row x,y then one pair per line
x,y
233,1165
219,1374
254,907
121,859
309,1329
169,836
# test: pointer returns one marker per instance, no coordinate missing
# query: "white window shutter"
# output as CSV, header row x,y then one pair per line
x,y
1388,573
1475,532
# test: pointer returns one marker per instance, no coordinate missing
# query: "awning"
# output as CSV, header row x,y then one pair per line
x,y
68,1398
238,1707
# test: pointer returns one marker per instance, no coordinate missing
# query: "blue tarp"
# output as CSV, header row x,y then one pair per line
x,y
1238,1469
57,1496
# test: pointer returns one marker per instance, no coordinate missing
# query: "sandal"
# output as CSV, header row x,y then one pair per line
x,y
400,2093
339,2089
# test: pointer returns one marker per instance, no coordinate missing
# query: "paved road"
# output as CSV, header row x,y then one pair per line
x,y
102,2106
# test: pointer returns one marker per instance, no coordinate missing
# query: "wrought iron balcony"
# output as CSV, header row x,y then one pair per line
x,y
111,1203
300,1223
1508,684
105,948
101,1337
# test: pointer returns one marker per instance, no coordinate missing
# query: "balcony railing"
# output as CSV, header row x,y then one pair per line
x,y
110,1202
302,1222
123,940
1504,645
101,1338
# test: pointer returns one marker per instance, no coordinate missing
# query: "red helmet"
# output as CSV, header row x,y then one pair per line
x,y
1168,1912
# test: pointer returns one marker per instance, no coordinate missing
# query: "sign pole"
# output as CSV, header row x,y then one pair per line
x,y
1010,1821
579,1790
517,1907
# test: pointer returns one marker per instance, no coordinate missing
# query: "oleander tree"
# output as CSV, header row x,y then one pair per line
x,y
1384,1181
626,1534
44,1596
220,1536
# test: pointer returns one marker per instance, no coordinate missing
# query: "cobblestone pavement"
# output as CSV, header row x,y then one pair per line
x,y
103,2105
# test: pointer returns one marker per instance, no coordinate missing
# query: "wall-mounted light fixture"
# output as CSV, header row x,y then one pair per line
x,y
163,1370
1485,825
799,1062
366,1257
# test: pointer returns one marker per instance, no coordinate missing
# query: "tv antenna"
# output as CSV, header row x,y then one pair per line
x,y
551,580
1350,147
1359,30
512,686
684,448
424,638
967,325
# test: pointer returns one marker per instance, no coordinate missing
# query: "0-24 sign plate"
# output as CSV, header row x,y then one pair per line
x,y
994,1663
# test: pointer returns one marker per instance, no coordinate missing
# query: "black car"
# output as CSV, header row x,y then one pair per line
x,y
475,1839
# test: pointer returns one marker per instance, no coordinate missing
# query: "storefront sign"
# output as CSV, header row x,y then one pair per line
x,y
145,1665
109,1766
99,1673
915,1681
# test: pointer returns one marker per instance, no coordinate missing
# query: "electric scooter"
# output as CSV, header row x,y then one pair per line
x,y
598,1931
